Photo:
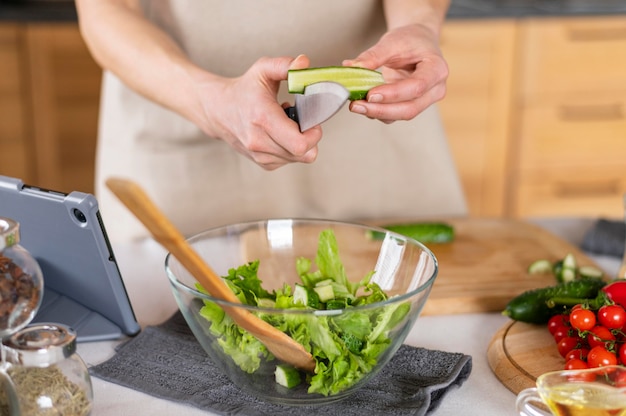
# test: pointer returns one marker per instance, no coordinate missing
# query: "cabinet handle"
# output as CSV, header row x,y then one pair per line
x,y
596,34
604,112
577,190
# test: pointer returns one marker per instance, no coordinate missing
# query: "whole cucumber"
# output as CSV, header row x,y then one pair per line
x,y
532,307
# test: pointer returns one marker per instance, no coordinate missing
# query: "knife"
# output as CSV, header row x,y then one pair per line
x,y
319,102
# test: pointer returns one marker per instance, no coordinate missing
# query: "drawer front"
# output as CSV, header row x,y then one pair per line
x,y
575,133
573,55
571,192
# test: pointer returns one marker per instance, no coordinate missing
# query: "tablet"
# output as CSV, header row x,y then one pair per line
x,y
83,287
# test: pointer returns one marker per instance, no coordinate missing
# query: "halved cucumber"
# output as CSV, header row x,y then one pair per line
x,y
358,81
540,266
590,272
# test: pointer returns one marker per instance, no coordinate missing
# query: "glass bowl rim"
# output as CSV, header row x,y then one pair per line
x,y
266,309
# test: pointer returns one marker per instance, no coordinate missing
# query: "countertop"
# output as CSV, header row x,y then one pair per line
x,y
482,394
64,10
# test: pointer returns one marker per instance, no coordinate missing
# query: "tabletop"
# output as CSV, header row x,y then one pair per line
x,y
142,267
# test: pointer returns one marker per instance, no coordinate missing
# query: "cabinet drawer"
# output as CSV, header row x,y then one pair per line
x,y
569,133
573,55
571,192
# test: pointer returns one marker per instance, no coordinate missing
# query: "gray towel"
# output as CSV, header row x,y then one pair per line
x,y
166,361
606,237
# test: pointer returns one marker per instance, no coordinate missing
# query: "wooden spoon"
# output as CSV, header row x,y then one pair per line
x,y
277,342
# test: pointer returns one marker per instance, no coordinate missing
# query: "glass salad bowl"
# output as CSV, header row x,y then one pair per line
x,y
348,293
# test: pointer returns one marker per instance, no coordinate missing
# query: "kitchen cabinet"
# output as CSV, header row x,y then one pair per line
x,y
49,99
535,114
16,146
571,136
477,109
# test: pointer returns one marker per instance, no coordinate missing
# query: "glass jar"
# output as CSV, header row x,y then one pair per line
x,y
48,376
21,281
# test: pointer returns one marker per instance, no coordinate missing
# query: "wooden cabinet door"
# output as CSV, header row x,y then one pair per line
x,y
16,147
65,90
477,108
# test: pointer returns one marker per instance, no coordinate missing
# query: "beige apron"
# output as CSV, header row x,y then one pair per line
x,y
365,169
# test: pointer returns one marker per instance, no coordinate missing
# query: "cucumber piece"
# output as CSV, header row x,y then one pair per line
x,y
287,376
325,293
567,272
336,304
590,272
358,81
540,266
424,232
306,297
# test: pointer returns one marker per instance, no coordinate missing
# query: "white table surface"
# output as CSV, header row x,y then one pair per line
x,y
482,394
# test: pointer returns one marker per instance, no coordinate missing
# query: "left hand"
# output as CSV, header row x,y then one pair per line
x,y
414,69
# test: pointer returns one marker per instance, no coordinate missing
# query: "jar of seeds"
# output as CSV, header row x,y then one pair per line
x,y
48,376
21,281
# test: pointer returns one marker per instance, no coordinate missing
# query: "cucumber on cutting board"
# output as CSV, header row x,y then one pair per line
x,y
424,232
358,81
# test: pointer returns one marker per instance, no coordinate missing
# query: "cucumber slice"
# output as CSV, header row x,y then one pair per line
x,y
336,304
540,266
325,293
287,376
590,272
358,81
567,273
306,297
424,232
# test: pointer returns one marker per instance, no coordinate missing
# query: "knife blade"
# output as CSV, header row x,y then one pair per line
x,y
319,102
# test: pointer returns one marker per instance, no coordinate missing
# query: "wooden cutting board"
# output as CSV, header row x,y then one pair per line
x,y
520,352
486,264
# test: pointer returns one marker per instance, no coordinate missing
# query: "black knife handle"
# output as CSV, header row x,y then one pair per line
x,y
292,114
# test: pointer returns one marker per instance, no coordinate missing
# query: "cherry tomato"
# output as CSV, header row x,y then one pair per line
x,y
612,316
599,335
575,364
616,291
599,356
577,353
620,379
582,319
567,344
556,322
561,332
622,354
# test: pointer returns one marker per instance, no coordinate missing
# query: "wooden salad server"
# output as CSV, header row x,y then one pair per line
x,y
165,233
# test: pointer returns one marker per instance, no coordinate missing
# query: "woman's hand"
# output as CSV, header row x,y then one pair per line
x,y
414,69
244,113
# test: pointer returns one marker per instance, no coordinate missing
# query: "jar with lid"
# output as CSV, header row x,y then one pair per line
x,y
21,281
47,374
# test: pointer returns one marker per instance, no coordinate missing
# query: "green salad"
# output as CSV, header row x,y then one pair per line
x,y
345,346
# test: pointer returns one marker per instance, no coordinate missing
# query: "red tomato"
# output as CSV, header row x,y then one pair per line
x,y
622,354
582,319
612,316
577,353
599,335
567,344
561,332
575,364
556,322
616,291
600,357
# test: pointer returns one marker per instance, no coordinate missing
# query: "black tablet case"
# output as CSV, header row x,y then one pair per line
x,y
66,234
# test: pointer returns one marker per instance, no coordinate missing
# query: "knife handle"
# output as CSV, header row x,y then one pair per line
x,y
292,113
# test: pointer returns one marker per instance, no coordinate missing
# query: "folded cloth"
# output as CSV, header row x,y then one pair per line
x,y
166,361
606,237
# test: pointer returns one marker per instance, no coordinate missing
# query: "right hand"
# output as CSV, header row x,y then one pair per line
x,y
244,112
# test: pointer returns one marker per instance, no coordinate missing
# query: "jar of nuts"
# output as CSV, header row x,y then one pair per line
x,y
21,281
